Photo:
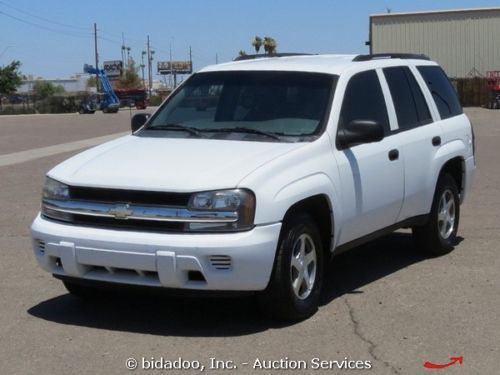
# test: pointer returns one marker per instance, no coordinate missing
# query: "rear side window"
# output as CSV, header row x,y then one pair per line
x,y
442,91
409,102
364,100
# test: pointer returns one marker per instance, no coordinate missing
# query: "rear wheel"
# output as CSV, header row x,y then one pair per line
x,y
439,235
294,289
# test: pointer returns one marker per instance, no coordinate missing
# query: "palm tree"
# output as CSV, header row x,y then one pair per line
x,y
257,43
242,53
270,45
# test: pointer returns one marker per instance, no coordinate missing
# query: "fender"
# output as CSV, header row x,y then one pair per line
x,y
448,151
304,188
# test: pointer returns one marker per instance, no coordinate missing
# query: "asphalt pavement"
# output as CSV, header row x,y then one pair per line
x,y
383,303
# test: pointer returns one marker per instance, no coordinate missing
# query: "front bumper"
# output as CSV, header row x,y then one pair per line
x,y
230,261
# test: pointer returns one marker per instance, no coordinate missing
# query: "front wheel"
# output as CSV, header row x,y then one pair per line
x,y
294,289
438,236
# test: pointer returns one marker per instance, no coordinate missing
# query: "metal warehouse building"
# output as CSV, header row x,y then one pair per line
x,y
465,42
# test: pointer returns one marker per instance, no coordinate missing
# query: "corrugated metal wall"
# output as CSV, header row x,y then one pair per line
x,y
461,41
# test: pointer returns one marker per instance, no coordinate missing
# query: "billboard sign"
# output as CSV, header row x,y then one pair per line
x,y
175,67
114,68
495,74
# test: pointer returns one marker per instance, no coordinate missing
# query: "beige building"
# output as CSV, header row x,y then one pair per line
x,y
465,42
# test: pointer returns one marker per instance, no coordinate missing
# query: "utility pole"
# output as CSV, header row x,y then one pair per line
x,y
190,59
96,59
171,69
216,58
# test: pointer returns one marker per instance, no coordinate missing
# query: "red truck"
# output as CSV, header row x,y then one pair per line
x,y
494,86
132,97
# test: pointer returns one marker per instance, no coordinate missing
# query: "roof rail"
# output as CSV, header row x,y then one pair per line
x,y
380,56
261,56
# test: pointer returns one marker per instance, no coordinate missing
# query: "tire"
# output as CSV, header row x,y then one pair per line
x,y
289,295
83,291
439,235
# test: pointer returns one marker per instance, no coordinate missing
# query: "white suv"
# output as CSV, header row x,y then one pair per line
x,y
254,173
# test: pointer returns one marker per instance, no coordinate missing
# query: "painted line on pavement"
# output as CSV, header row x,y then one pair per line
x,y
37,153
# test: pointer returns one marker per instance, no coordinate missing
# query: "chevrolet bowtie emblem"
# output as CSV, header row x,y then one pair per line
x,y
121,211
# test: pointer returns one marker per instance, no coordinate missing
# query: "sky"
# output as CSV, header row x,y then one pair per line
x,y
54,39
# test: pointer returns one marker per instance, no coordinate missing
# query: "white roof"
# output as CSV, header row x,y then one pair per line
x,y
330,64
435,12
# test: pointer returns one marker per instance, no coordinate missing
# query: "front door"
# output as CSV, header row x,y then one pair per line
x,y
372,174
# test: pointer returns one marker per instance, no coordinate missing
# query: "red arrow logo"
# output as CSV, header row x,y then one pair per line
x,y
453,361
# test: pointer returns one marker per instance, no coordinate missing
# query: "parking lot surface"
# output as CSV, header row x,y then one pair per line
x,y
383,302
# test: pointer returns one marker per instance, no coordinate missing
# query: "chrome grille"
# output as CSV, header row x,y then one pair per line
x,y
130,196
131,210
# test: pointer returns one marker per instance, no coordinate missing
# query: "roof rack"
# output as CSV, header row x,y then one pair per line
x,y
261,56
380,56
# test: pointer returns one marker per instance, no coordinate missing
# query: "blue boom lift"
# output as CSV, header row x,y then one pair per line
x,y
109,102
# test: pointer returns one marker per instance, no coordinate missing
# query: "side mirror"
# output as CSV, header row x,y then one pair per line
x,y
359,132
138,120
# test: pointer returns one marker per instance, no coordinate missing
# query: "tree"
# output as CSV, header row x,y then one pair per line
x,y
257,43
44,89
270,45
130,78
91,82
10,78
242,53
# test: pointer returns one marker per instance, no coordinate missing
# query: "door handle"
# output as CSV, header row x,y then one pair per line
x,y
436,141
393,154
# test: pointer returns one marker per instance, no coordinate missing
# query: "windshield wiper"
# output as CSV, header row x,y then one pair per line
x,y
179,127
244,130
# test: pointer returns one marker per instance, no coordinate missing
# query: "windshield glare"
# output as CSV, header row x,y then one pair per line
x,y
287,104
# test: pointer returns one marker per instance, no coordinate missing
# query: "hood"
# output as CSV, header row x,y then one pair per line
x,y
168,164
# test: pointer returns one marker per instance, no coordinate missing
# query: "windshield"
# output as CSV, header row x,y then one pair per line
x,y
246,105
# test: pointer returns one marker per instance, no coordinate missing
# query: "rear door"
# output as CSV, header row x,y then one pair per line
x,y
418,136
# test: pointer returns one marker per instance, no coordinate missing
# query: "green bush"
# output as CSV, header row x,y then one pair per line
x,y
18,110
155,100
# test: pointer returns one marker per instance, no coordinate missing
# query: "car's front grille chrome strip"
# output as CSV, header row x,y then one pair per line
x,y
124,211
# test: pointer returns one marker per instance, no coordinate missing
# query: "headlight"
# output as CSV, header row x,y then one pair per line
x,y
55,190
238,201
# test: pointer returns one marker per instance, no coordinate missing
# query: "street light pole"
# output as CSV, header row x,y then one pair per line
x,y
96,59
152,52
142,68
149,68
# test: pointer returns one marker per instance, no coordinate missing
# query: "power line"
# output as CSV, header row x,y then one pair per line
x,y
109,40
43,19
119,36
68,33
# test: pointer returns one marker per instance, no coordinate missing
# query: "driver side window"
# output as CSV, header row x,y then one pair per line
x,y
364,100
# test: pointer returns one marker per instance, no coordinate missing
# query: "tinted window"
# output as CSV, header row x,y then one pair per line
x,y
410,105
424,115
288,104
364,100
442,91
